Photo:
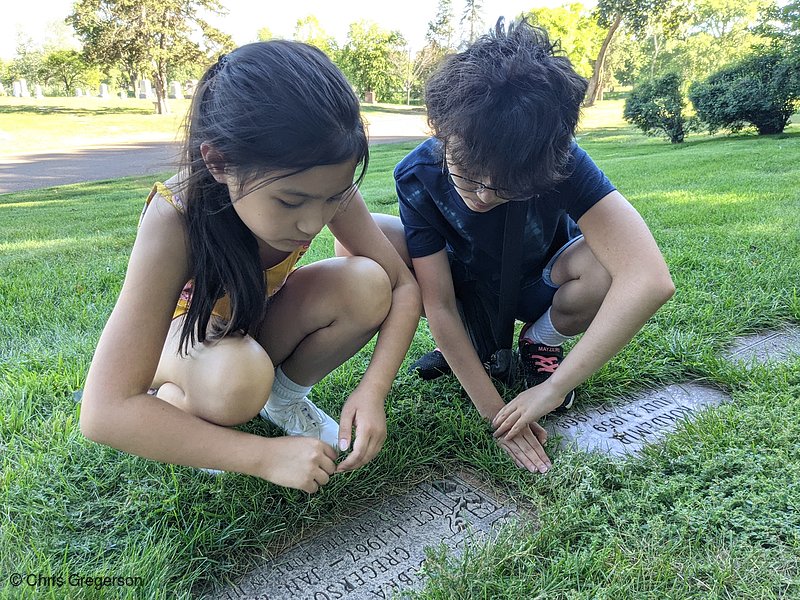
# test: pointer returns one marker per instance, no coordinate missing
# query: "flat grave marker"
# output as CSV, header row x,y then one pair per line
x,y
379,552
624,428
766,347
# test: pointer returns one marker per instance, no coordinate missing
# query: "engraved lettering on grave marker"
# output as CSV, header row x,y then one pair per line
x,y
379,552
766,346
626,428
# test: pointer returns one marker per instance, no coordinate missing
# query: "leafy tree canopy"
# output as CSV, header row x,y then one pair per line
x,y
309,30
148,36
370,58
578,33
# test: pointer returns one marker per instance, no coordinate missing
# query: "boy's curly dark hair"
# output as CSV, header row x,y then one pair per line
x,y
507,108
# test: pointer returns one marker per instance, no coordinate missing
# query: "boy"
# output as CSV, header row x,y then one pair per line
x,y
504,113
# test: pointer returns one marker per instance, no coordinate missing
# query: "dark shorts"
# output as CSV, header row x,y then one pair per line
x,y
479,301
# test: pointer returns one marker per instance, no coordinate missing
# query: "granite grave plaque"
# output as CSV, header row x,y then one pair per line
x,y
380,551
624,428
766,346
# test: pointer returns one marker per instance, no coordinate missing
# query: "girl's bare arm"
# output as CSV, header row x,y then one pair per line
x,y
116,409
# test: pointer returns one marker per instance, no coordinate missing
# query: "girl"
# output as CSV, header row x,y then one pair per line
x,y
213,318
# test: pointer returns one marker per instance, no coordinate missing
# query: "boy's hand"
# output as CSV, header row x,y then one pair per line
x,y
526,449
366,413
525,410
299,462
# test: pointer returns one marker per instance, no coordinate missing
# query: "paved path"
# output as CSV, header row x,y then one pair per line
x,y
33,171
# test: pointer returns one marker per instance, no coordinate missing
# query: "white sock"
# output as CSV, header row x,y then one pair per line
x,y
543,332
285,391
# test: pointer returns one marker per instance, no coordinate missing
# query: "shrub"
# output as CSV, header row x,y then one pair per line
x,y
762,90
656,107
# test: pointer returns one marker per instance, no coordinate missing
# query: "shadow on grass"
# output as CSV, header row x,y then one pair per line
x,y
635,139
30,109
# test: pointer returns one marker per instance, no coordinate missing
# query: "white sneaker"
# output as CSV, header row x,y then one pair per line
x,y
303,418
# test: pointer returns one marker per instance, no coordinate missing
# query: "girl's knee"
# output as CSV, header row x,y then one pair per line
x,y
367,291
242,376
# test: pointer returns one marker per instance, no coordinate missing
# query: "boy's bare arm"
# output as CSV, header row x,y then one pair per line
x,y
436,283
438,297
640,285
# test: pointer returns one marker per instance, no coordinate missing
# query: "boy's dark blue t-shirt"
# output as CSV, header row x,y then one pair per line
x,y
435,217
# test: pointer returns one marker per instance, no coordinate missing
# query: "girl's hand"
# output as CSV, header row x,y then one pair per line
x,y
366,413
525,410
299,462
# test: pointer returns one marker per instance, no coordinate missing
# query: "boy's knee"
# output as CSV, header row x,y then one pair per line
x,y
392,228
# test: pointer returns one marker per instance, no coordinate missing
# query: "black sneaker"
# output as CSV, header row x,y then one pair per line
x,y
430,366
538,362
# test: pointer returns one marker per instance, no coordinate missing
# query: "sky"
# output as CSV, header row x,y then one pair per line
x,y
246,17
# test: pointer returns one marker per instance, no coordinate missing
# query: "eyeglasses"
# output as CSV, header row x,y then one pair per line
x,y
473,187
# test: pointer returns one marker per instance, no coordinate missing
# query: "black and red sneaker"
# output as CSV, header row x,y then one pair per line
x,y
538,362
430,366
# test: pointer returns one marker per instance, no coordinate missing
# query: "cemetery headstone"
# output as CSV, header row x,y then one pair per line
x,y
768,346
145,89
175,90
24,88
104,91
78,92
190,87
17,89
380,551
624,428
37,92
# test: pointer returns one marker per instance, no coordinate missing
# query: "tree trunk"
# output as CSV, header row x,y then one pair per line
x,y
593,91
160,81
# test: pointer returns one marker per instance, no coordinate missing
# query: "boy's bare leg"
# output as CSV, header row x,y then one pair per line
x,y
584,283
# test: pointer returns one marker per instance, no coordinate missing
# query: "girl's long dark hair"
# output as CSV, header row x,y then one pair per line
x,y
268,107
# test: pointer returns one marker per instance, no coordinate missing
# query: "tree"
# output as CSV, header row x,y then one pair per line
x,y
148,36
372,59
579,35
5,76
441,32
440,41
27,63
264,34
473,19
610,15
781,24
656,107
309,30
64,68
723,17
714,33
762,90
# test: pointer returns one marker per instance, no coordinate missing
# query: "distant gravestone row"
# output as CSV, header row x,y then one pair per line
x,y
144,89
380,552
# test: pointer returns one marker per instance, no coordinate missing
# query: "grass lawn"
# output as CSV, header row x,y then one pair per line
x,y
711,512
28,125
